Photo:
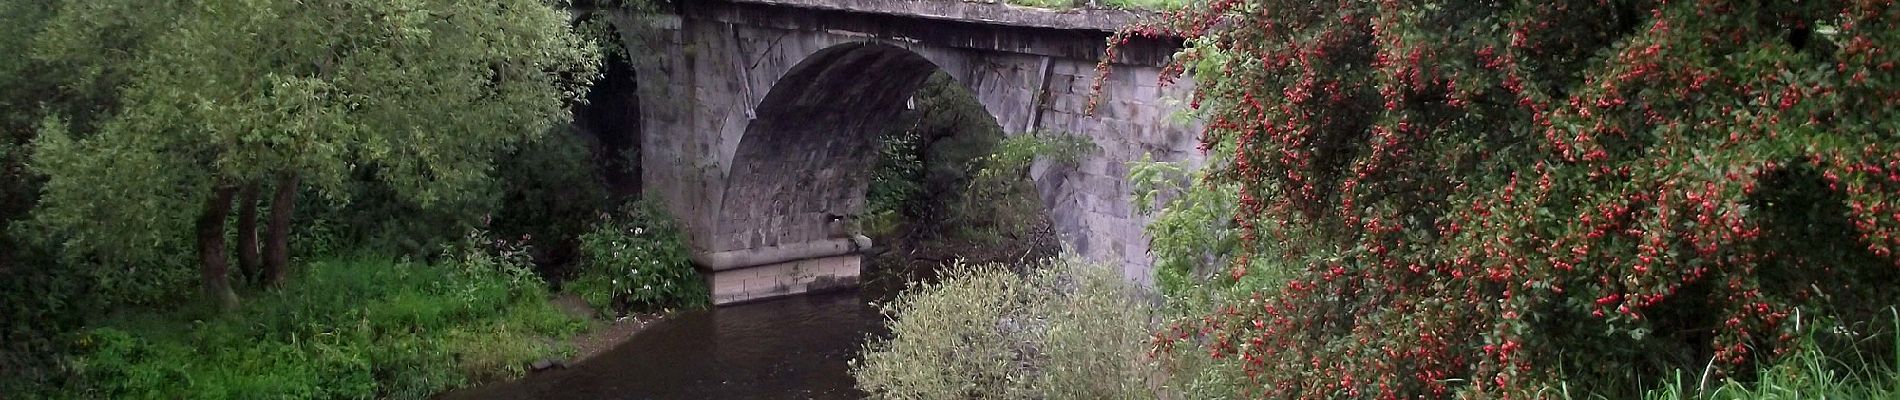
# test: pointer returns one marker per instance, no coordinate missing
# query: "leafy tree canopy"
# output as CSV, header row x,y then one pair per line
x,y
213,93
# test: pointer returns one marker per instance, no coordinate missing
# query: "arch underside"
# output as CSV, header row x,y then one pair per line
x,y
802,163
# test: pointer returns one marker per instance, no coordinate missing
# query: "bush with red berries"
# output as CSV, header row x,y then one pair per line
x,y
1501,198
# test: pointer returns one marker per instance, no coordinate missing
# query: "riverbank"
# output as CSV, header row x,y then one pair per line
x,y
350,327
601,334
347,327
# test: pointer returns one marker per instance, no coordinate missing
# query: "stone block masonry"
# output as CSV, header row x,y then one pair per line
x,y
785,279
759,122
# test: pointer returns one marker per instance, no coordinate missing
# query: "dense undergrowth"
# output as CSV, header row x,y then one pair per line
x,y
349,327
949,185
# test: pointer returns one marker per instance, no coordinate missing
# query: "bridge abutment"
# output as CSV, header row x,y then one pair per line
x,y
764,272
785,278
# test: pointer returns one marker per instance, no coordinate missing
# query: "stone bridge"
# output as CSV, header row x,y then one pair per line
x,y
758,121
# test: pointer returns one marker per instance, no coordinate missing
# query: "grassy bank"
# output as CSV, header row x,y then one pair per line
x,y
1812,372
355,327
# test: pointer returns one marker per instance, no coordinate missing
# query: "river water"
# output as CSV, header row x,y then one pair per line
x,y
790,348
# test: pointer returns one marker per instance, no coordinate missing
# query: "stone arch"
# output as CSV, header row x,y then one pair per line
x,y
802,161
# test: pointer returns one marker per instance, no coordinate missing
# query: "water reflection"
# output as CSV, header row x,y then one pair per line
x,y
791,348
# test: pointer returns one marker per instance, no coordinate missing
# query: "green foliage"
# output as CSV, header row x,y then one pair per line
x,y
136,251
372,217
1497,199
636,259
41,298
1192,236
550,191
928,155
896,182
41,303
355,327
418,95
1068,330
1000,199
123,114
22,87
545,193
1809,373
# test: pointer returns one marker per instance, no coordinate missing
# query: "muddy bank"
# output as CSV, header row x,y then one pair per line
x,y
602,335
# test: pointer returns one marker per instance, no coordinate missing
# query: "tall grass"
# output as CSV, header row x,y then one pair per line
x,y
347,328
1809,373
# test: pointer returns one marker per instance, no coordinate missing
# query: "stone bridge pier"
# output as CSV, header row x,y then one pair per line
x,y
759,122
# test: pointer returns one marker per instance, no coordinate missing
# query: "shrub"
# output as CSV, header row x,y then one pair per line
x,y
1066,331
1191,235
1000,202
927,155
637,259
1499,198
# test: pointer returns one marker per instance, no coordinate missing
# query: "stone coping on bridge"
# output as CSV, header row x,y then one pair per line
x,y
743,258
997,13
761,282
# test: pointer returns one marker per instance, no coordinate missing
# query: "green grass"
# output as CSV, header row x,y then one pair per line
x,y
345,328
1809,373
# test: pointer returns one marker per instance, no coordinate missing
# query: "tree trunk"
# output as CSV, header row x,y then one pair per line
x,y
250,262
277,236
214,262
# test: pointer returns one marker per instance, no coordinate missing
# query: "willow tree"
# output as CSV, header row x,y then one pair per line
x,y
212,98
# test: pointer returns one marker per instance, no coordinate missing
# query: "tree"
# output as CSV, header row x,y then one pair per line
x,y
216,97
24,88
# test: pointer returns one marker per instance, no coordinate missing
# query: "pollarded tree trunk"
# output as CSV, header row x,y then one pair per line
x,y
250,261
277,237
212,257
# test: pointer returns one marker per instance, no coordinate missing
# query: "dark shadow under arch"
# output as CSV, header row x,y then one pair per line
x,y
802,161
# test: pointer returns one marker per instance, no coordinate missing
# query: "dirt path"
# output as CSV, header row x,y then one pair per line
x,y
602,335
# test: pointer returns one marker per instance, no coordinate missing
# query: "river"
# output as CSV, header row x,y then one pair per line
x,y
789,348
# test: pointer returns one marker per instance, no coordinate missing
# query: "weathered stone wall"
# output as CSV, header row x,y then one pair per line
x,y
1091,202
759,119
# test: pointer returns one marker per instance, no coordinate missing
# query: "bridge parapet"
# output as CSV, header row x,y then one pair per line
x,y
997,12
1079,34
